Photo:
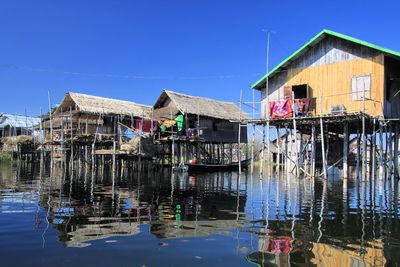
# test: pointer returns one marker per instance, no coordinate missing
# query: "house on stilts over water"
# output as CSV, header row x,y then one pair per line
x,y
199,131
332,87
93,124
19,133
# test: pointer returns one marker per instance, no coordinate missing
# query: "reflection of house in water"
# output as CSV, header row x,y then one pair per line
x,y
328,255
201,206
79,224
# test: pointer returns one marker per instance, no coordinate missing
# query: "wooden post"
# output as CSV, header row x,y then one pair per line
x,y
262,152
364,144
286,150
345,150
114,148
51,131
278,154
324,163
381,161
72,140
358,153
239,133
390,156
396,151
372,153
297,158
313,149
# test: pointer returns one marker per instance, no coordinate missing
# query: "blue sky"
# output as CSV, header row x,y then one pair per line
x,y
133,49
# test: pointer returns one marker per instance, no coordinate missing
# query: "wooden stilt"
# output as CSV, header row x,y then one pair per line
x,y
286,150
324,163
396,151
381,161
313,149
345,150
390,152
278,154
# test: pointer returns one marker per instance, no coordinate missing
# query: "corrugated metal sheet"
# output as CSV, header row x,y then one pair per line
x,y
18,121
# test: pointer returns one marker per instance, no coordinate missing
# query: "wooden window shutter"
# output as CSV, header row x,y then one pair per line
x,y
287,91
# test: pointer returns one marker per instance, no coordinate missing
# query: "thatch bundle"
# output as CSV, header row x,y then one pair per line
x,y
18,140
139,145
11,142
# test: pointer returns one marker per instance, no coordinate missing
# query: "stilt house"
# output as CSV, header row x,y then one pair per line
x,y
197,129
15,125
210,120
100,116
337,85
334,74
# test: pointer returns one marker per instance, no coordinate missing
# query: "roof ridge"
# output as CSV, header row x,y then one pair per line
x,y
200,97
108,98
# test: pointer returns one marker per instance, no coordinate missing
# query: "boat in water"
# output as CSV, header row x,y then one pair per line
x,y
205,167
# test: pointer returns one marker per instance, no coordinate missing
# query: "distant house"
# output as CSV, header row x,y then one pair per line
x,y
210,120
93,114
15,125
336,72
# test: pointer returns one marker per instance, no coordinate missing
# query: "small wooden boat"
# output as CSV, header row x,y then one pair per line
x,y
203,167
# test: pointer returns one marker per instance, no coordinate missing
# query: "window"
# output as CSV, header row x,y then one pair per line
x,y
359,85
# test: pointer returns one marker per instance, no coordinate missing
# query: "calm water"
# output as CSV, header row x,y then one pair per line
x,y
155,218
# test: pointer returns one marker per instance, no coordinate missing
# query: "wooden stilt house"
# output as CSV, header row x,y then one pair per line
x,y
337,85
207,129
87,118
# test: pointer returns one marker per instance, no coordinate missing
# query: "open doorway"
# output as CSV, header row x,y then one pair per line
x,y
300,91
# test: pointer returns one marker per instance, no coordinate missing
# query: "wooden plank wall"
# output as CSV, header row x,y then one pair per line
x,y
333,82
328,69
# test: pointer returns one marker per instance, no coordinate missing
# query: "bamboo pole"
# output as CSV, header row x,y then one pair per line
x,y
390,152
278,154
381,161
364,143
313,149
295,137
324,163
72,140
396,151
51,132
345,150
239,133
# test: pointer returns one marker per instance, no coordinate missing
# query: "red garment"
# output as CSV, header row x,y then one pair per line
x,y
303,105
146,125
281,109
279,245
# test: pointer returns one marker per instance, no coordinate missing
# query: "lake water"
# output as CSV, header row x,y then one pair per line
x,y
155,218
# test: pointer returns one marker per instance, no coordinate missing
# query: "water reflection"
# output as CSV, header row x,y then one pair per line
x,y
277,221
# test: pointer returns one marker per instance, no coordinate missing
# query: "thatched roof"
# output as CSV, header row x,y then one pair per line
x,y
207,107
108,106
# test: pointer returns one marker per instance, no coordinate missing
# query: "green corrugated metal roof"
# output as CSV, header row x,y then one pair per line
x,y
315,39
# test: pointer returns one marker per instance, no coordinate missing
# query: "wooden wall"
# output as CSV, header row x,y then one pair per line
x,y
328,69
221,131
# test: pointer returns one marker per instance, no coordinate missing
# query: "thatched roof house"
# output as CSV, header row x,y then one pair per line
x,y
194,105
94,114
102,105
212,120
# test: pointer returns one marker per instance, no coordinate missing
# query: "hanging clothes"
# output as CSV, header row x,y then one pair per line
x,y
303,105
179,121
281,108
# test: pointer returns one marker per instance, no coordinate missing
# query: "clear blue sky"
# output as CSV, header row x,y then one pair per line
x,y
133,49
